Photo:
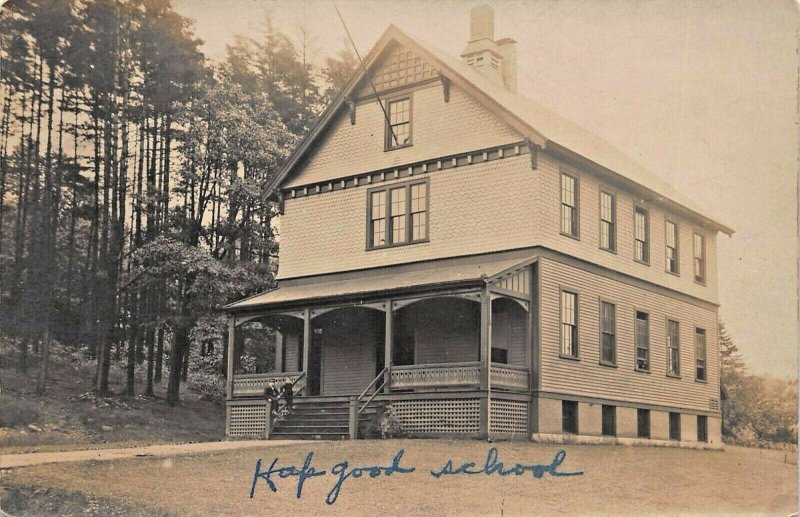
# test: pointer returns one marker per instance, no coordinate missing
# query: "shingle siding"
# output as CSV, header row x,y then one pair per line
x,y
587,377
439,128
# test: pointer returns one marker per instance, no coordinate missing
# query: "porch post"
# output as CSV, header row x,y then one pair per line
x,y
485,413
231,355
306,345
388,344
278,351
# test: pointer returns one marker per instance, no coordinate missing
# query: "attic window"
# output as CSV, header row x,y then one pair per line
x,y
398,127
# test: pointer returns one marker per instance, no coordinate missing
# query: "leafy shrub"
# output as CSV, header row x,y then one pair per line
x,y
210,386
17,412
388,424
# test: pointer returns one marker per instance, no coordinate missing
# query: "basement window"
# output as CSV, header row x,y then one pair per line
x,y
702,428
569,416
675,426
609,421
643,423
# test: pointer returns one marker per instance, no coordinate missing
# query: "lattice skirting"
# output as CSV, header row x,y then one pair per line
x,y
457,416
247,420
509,417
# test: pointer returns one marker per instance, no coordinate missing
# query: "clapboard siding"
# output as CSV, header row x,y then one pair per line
x,y
446,331
291,352
587,377
348,354
588,245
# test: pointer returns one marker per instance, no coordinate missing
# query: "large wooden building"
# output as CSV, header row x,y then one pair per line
x,y
486,267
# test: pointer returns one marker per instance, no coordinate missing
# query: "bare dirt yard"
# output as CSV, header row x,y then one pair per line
x,y
616,480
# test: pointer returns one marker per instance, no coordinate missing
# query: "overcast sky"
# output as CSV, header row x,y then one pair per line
x,y
701,93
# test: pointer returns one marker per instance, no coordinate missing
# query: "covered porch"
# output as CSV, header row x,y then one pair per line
x,y
447,343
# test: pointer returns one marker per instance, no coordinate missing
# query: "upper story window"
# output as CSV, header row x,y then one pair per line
x,y
608,333
699,258
672,247
398,214
398,128
569,324
569,205
641,229
700,353
673,349
608,221
642,335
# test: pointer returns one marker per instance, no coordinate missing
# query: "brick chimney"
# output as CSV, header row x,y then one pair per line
x,y
497,60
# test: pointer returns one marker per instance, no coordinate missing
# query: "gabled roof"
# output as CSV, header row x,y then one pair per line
x,y
542,126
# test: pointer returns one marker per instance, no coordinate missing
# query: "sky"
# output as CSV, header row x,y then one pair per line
x,y
702,93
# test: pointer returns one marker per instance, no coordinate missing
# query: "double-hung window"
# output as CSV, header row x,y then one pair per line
x,y
642,336
673,349
699,258
608,334
398,127
569,324
398,214
608,222
641,229
569,205
672,247
700,354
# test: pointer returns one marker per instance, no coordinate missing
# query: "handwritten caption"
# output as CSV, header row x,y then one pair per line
x,y
343,471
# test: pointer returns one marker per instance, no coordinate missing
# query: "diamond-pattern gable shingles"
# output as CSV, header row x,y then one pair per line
x,y
398,67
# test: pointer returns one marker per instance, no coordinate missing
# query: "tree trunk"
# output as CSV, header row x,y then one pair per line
x,y
179,348
148,392
159,355
41,382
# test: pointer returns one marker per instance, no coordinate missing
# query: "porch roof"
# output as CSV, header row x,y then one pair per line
x,y
461,271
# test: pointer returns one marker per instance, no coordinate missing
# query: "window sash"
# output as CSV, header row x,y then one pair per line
x,y
642,336
700,354
607,221
672,247
398,215
569,324
399,125
641,230
699,258
673,348
608,338
569,205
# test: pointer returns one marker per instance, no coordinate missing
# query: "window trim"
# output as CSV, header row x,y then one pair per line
x,y
561,354
705,257
666,335
577,219
636,209
613,194
387,134
705,359
649,344
677,272
409,231
600,303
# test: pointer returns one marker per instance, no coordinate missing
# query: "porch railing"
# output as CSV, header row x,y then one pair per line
x,y
435,375
253,384
509,376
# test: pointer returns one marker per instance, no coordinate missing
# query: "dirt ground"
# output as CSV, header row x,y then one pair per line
x,y
617,480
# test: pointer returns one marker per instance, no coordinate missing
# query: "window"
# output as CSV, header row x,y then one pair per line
x,y
398,129
397,215
675,426
569,416
702,428
672,247
569,324
673,349
608,333
609,421
569,205
608,221
642,329
641,234
700,353
699,258
643,423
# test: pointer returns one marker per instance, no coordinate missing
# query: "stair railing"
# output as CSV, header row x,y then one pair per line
x,y
355,411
